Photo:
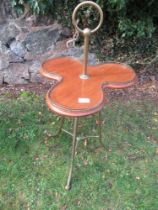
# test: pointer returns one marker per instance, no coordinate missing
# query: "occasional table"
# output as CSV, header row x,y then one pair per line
x,y
80,88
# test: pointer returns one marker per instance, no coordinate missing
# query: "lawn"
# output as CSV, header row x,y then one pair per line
x,y
34,166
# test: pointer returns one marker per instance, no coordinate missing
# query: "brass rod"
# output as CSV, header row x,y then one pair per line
x,y
67,132
86,48
100,130
68,185
86,34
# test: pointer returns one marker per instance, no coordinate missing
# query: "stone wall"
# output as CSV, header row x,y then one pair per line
x,y
24,47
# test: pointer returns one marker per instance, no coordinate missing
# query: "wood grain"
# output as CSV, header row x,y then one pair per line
x,y
73,96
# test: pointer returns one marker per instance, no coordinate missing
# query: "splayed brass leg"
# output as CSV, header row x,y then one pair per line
x,y
60,128
100,130
68,185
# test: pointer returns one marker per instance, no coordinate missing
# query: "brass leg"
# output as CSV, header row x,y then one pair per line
x,y
100,130
68,185
60,128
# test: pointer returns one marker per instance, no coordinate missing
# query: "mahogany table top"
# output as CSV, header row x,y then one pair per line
x,y
73,96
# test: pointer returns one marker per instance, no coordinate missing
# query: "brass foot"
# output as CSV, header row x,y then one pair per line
x,y
67,187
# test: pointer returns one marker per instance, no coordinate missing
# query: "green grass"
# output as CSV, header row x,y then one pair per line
x,y
34,166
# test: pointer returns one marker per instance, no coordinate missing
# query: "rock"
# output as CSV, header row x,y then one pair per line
x,y
8,32
92,59
4,57
18,48
1,77
66,32
3,48
72,52
24,47
7,56
37,78
77,52
6,10
4,61
34,72
40,41
156,77
17,73
34,67
15,59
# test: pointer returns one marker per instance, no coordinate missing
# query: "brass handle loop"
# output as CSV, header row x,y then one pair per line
x,y
91,3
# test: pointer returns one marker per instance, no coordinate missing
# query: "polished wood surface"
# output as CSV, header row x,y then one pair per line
x,y
73,96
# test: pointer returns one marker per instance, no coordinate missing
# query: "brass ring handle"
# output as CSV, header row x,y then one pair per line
x,y
91,3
